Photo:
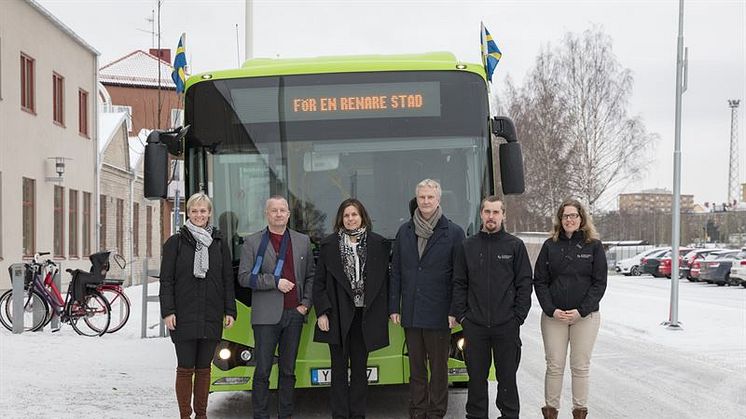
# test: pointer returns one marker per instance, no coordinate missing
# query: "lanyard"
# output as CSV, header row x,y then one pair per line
x,y
260,257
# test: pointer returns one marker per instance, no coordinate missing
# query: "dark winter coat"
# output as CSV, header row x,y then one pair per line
x,y
570,274
491,280
200,304
332,294
421,288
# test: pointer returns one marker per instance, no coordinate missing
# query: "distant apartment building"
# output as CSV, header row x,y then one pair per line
x,y
48,132
653,200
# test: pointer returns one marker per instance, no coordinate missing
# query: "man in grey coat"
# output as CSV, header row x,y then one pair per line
x,y
277,264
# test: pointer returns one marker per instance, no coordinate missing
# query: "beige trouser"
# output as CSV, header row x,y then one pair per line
x,y
581,336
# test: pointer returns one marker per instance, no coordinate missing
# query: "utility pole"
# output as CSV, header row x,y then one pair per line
x,y
249,30
158,117
733,166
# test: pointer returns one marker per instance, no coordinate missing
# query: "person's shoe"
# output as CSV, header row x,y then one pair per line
x,y
183,388
549,412
580,413
201,392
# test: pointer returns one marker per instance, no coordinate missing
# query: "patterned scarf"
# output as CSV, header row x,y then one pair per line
x,y
424,228
355,274
203,236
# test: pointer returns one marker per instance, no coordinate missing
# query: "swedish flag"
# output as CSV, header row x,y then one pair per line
x,y
179,73
490,52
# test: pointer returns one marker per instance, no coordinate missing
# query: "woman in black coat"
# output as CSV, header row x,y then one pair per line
x,y
350,296
197,299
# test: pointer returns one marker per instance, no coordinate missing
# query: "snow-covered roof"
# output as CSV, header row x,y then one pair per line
x,y
137,68
108,124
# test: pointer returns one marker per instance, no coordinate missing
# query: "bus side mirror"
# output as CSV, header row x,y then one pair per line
x,y
160,144
511,157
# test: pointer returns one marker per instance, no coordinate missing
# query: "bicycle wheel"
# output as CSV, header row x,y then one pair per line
x,y
32,301
120,307
95,313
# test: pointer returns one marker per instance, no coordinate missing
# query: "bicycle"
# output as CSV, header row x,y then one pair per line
x,y
42,299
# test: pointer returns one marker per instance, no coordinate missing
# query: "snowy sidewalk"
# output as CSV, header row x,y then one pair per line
x,y
640,369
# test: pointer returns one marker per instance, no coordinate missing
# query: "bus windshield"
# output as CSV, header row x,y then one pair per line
x,y
319,139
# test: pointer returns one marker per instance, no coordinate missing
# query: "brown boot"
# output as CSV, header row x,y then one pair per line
x,y
184,391
580,413
201,392
549,412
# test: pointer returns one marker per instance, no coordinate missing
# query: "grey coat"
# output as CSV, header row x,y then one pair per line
x,y
266,299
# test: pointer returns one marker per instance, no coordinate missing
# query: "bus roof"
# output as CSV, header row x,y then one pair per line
x,y
262,67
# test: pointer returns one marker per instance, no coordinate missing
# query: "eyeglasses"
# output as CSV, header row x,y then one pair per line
x,y
573,216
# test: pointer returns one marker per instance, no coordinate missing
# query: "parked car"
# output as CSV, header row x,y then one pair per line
x,y
650,263
664,268
690,263
632,266
716,267
738,270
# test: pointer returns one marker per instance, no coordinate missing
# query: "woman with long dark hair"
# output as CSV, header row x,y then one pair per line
x,y
569,280
350,293
197,300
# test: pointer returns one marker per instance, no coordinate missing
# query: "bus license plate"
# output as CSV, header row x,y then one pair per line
x,y
321,376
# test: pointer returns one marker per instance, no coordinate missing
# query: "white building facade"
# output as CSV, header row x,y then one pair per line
x,y
48,132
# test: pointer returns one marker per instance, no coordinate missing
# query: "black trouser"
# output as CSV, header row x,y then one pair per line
x,y
349,395
428,348
285,337
483,345
195,353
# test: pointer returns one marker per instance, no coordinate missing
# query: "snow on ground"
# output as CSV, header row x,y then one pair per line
x,y
640,369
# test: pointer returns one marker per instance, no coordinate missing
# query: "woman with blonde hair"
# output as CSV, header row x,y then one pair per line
x,y
197,301
569,280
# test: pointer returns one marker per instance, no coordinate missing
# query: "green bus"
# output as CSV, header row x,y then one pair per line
x,y
318,131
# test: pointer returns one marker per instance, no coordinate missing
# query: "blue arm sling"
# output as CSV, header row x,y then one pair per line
x,y
260,258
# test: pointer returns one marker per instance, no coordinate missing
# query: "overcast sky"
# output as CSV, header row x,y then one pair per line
x,y
644,35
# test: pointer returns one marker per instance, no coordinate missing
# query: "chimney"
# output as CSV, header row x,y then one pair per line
x,y
164,54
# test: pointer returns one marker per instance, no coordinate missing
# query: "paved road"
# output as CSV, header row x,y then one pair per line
x,y
639,370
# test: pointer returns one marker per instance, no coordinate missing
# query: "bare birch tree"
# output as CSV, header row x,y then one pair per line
x,y
572,117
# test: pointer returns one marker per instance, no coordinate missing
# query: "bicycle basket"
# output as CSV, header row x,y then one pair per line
x,y
100,264
28,274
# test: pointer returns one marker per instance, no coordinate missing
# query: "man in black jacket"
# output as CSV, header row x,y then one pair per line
x,y
491,299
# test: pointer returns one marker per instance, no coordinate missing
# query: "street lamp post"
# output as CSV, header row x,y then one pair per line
x,y
673,320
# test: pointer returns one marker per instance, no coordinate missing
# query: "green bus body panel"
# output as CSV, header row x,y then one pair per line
x,y
263,67
392,362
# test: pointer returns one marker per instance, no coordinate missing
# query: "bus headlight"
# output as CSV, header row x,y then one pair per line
x,y
246,355
460,344
224,353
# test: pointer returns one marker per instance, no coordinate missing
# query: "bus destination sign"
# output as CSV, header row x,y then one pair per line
x,y
378,100
337,101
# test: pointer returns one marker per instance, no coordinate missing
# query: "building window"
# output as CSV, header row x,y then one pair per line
x,y
1,214
27,84
149,231
86,223
72,220
59,222
135,229
83,112
1,80
120,226
58,99
102,223
29,217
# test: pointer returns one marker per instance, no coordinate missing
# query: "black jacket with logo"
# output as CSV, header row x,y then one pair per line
x,y
491,280
570,273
